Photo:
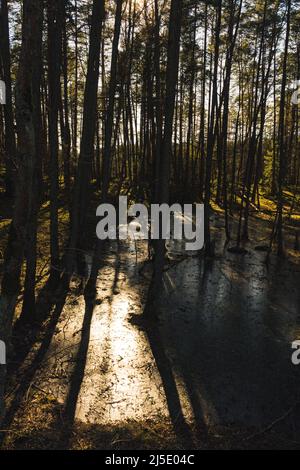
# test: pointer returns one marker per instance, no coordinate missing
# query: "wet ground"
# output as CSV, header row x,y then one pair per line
x,y
218,352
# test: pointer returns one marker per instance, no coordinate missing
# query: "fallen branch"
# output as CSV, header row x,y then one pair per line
x,y
270,426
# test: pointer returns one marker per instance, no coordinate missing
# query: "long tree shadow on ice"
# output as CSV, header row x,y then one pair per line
x,y
230,342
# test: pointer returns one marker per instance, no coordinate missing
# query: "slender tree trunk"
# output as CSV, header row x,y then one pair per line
x,y
202,116
55,23
158,111
281,135
111,102
86,157
75,107
166,148
66,133
90,288
10,140
211,133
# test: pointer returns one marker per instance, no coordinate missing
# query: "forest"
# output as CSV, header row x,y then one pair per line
x,y
143,344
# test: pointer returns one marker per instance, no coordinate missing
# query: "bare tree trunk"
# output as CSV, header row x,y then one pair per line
x,y
232,34
111,102
90,288
10,140
66,134
86,157
166,148
211,133
55,23
202,115
27,90
75,107
281,135
158,111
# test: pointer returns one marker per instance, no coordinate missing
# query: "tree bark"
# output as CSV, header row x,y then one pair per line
x,y
27,112
10,140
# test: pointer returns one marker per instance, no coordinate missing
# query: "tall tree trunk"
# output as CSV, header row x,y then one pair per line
x,y
111,102
158,111
10,140
166,147
55,23
202,114
86,157
66,134
27,90
281,134
75,107
211,133
232,34
90,288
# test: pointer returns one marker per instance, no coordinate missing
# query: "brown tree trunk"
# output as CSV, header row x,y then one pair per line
x,y
10,140
55,23
211,133
27,114
86,157
281,136
166,147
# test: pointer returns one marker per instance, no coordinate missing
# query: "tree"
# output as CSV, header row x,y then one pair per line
x,y
166,145
212,131
106,172
27,115
10,141
281,134
55,24
86,157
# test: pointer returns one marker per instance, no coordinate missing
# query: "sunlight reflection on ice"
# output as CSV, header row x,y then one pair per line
x,y
121,379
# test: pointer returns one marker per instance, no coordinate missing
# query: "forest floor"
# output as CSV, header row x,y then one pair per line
x,y
214,369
